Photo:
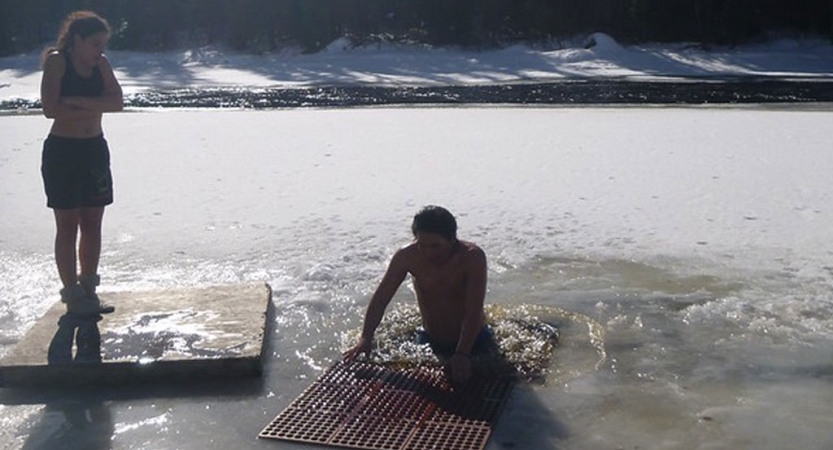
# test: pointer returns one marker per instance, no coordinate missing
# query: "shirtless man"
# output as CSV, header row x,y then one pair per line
x,y
449,278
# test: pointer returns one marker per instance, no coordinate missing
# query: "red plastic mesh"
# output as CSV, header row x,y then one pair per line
x,y
367,406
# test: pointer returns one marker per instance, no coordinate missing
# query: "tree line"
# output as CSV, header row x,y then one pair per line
x,y
259,26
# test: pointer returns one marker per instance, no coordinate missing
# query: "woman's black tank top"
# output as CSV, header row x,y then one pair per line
x,y
74,85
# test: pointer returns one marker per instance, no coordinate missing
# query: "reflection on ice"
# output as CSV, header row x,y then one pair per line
x,y
151,336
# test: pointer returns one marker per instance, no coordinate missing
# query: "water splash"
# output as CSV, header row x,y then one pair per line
x,y
527,337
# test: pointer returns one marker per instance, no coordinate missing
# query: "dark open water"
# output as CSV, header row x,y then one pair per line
x,y
573,92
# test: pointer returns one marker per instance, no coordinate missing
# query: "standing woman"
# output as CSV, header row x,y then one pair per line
x,y
78,85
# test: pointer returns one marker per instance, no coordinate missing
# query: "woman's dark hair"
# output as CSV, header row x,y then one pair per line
x,y
437,220
78,23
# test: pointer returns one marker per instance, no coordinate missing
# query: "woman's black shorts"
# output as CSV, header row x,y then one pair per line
x,y
76,172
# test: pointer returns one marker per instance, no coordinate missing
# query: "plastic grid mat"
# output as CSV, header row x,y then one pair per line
x,y
366,406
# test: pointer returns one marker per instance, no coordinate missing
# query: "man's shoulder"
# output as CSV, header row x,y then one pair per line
x,y
472,253
408,252
470,247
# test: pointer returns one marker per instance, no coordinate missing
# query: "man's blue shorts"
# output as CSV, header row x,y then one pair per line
x,y
484,343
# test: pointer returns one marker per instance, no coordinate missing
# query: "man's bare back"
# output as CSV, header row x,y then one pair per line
x,y
441,290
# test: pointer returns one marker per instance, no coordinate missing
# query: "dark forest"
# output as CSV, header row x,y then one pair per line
x,y
261,26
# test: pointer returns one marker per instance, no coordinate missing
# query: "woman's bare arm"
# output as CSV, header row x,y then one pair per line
x,y
111,100
50,91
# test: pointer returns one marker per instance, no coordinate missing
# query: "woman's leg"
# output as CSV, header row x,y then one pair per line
x,y
89,249
89,252
66,221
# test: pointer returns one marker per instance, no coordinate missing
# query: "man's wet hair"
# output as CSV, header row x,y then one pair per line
x,y
437,220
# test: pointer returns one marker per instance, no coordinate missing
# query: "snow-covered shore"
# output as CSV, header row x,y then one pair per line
x,y
393,64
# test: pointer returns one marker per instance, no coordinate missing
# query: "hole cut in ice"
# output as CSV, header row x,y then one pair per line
x,y
523,339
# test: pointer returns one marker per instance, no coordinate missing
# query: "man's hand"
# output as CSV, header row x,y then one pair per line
x,y
460,367
363,347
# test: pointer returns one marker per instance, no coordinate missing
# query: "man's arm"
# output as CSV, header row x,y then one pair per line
x,y
395,274
475,298
476,277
